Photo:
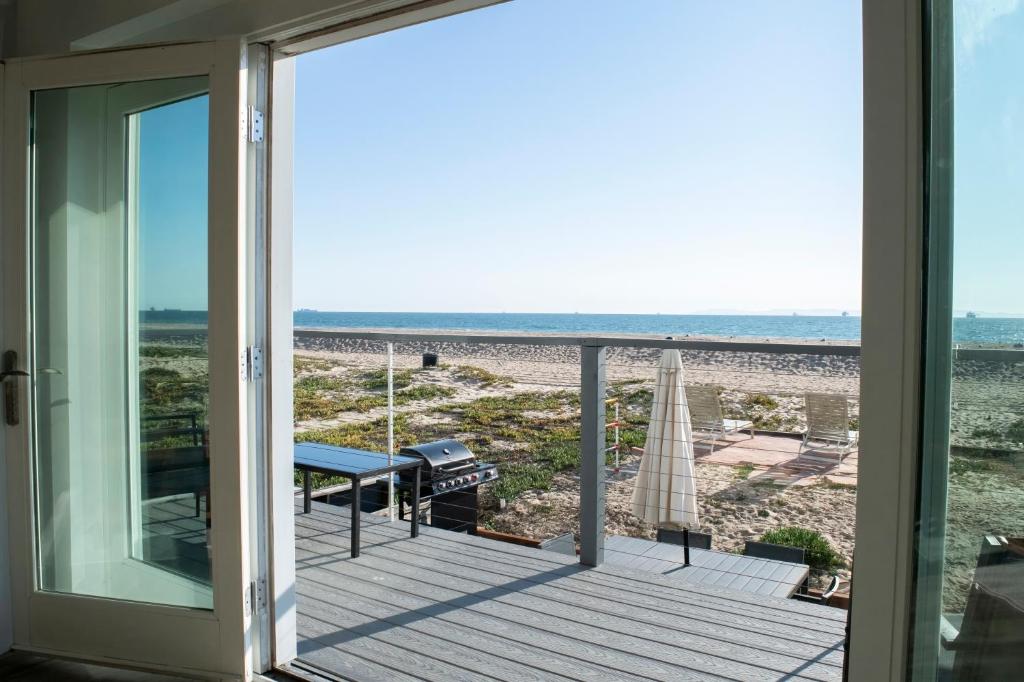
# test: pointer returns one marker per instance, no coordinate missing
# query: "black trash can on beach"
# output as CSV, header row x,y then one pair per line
x,y
430,359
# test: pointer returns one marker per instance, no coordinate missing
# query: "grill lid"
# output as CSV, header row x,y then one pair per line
x,y
440,456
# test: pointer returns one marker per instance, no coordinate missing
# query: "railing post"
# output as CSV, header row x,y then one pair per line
x,y
391,430
592,450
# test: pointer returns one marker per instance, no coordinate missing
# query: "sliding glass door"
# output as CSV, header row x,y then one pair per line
x,y
968,617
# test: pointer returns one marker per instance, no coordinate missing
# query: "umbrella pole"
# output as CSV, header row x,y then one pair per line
x,y
686,546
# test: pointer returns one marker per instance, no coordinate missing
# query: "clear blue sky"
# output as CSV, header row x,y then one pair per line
x,y
569,156
988,198
173,163
572,156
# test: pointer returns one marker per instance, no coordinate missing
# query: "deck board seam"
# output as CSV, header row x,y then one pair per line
x,y
616,593
578,640
642,640
441,619
540,556
610,611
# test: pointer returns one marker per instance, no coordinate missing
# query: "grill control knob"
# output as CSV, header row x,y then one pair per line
x,y
473,477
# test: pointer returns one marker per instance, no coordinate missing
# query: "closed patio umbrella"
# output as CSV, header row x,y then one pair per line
x,y
665,492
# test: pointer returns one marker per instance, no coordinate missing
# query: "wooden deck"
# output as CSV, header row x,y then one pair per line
x,y
448,606
746,573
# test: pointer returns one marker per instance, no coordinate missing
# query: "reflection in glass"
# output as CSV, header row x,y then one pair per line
x,y
167,209
121,376
969,609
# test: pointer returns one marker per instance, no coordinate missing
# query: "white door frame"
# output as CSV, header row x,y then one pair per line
x,y
197,642
891,322
280,341
6,607
891,339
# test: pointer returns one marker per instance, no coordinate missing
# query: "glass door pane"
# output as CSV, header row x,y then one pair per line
x,y
119,223
968,622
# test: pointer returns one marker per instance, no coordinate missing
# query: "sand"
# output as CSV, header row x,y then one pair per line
x,y
731,507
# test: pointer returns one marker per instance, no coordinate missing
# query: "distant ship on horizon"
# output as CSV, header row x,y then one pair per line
x,y
971,315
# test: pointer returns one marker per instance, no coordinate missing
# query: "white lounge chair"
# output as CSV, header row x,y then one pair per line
x,y
828,423
706,415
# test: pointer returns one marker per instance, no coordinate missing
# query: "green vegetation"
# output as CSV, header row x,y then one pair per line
x,y
149,351
517,478
767,422
422,392
632,437
167,391
311,403
378,379
529,449
321,382
172,399
820,555
1013,433
766,402
978,460
758,408
744,470
303,363
480,376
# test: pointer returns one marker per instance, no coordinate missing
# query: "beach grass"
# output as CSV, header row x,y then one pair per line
x,y
377,379
480,376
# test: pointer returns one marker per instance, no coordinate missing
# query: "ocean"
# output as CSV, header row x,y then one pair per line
x,y
979,330
834,328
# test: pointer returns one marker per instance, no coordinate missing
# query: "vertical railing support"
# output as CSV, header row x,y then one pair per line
x,y
592,450
391,430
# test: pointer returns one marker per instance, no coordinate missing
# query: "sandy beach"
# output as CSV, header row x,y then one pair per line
x,y
736,505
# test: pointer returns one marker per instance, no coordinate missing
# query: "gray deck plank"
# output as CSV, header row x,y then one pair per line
x,y
534,615
468,543
623,584
357,625
606,574
521,629
677,624
614,599
662,557
563,654
610,633
523,599
349,661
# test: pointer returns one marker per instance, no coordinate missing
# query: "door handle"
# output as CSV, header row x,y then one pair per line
x,y
11,371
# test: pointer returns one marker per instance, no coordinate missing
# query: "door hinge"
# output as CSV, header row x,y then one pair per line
x,y
253,124
251,364
256,597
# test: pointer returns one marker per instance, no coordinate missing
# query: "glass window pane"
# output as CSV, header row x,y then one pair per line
x,y
969,609
119,191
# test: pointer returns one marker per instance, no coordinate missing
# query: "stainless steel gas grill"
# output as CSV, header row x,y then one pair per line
x,y
449,478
